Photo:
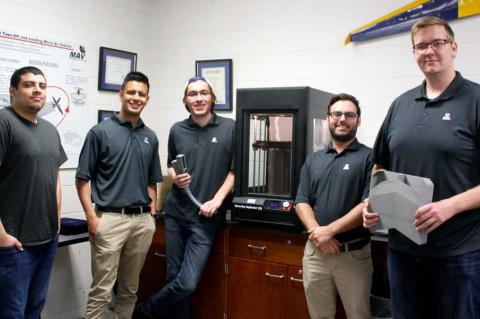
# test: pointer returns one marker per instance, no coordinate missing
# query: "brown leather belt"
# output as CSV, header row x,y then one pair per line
x,y
133,210
346,247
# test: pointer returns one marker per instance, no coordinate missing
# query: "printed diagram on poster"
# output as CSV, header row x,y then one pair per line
x,y
65,66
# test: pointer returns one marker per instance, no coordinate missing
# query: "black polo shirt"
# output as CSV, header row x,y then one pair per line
x,y
332,184
209,152
438,139
120,161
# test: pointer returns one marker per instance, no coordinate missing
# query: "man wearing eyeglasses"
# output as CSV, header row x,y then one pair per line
x,y
207,141
433,131
333,184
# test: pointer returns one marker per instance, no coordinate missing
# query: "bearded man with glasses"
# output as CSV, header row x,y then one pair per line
x,y
433,131
333,183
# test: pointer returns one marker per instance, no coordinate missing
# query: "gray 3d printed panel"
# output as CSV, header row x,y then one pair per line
x,y
396,197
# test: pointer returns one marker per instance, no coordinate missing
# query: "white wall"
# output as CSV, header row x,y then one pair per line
x,y
272,43
290,43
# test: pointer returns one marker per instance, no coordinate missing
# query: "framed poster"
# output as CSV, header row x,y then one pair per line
x,y
113,67
219,74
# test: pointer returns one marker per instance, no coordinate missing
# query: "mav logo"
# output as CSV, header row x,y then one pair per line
x,y
79,55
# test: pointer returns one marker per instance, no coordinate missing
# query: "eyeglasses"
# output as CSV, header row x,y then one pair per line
x,y
336,115
195,94
436,44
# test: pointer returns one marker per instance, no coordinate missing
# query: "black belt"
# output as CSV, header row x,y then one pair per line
x,y
125,210
345,247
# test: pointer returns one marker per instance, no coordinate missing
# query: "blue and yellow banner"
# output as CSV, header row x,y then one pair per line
x,y
403,18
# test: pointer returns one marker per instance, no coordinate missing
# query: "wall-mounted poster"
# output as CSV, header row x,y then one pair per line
x,y
219,75
113,66
64,64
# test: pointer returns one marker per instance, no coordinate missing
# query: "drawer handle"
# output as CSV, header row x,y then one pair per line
x,y
257,247
159,255
296,279
274,276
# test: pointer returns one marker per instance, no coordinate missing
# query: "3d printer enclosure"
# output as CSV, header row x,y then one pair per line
x,y
305,104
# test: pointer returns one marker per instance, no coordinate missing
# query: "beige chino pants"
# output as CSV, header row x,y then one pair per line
x,y
348,273
118,254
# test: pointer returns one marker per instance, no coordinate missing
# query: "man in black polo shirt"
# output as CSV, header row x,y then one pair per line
x,y
333,183
433,131
120,159
30,197
207,141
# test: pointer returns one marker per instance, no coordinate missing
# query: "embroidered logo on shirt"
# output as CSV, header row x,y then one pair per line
x,y
214,140
346,167
146,140
446,117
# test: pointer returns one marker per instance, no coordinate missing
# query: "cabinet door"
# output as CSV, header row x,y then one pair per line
x,y
256,289
297,304
152,277
208,301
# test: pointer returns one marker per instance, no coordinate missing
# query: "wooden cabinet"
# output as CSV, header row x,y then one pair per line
x,y
259,244
152,277
255,289
251,273
264,275
296,303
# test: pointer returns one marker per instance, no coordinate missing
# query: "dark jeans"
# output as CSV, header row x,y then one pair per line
x,y
188,246
24,280
434,287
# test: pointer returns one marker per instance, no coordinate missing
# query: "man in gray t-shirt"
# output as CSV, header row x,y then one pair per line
x,y
30,156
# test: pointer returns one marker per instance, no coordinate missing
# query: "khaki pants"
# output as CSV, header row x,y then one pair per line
x,y
118,253
349,273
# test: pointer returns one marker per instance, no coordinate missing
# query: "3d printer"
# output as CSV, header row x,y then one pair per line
x,y
276,128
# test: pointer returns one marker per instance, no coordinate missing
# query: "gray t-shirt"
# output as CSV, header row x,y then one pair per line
x,y
30,155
